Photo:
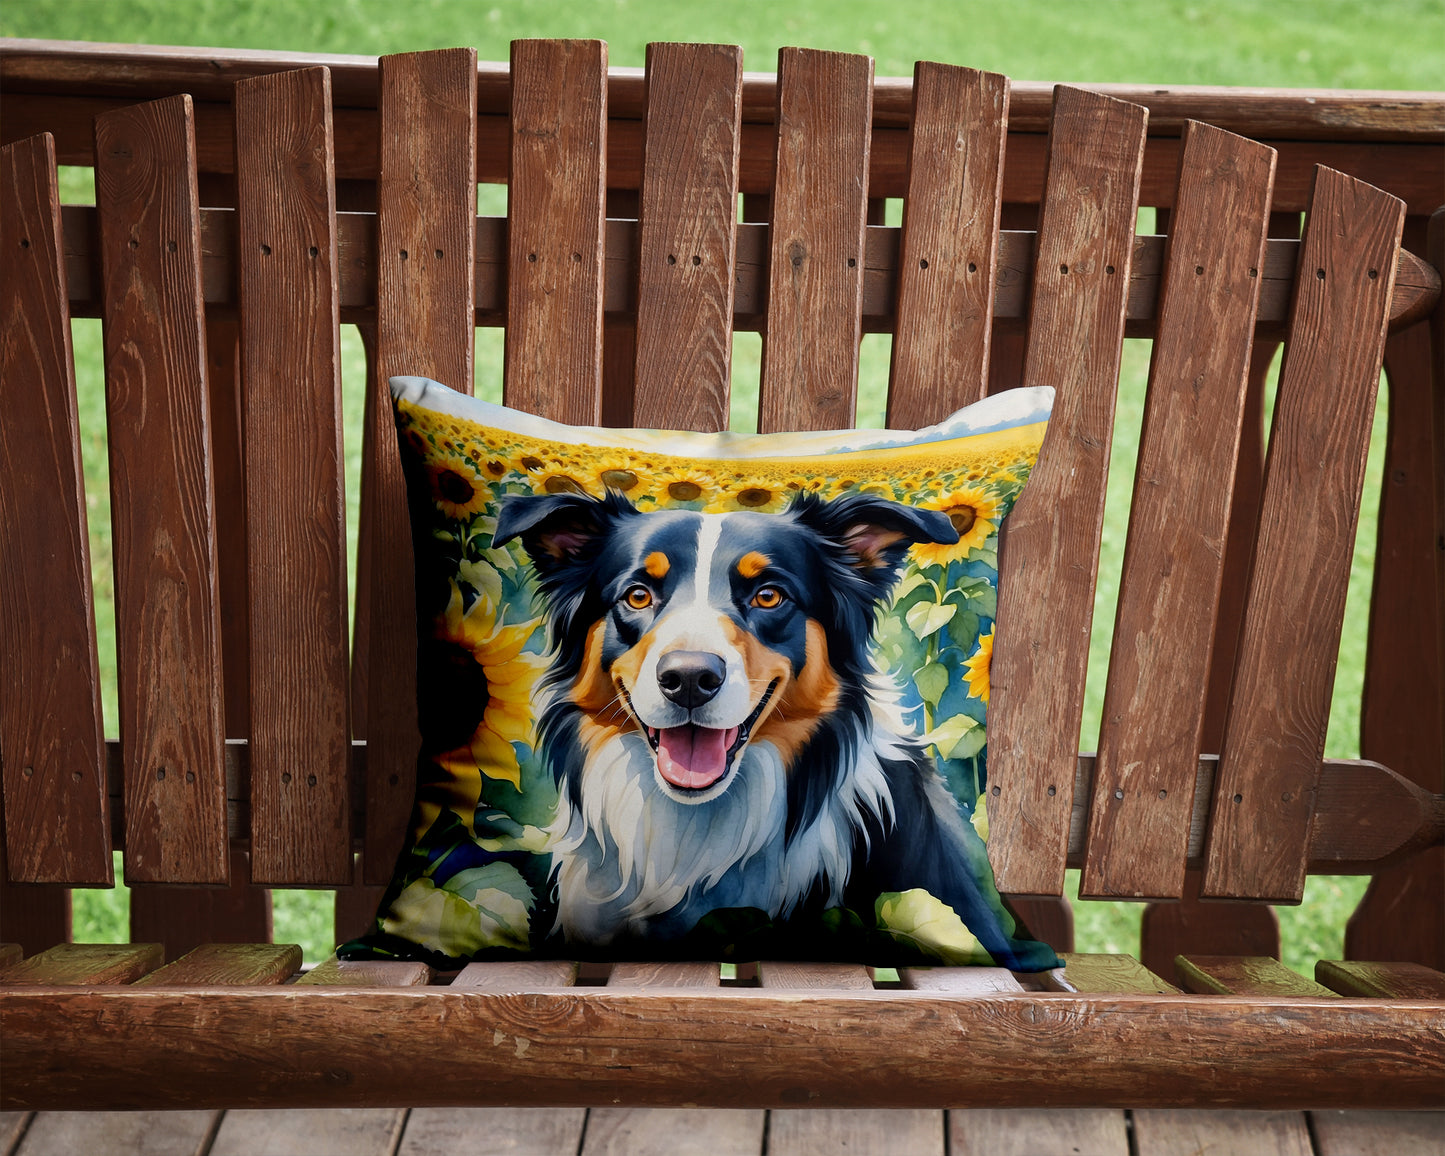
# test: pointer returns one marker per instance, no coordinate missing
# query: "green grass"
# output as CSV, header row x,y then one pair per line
x,y
1326,43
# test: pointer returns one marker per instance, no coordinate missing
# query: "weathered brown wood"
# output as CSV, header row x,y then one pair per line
x,y
949,248
183,918
300,821
355,911
792,976
168,632
1095,972
1275,731
959,980
1031,1131
664,975
1050,918
1171,1132
525,1131
153,1133
56,818
353,1131
34,915
426,221
555,205
687,236
1384,980
228,963
1046,588
1190,925
1154,701
85,963
893,1048
1435,247
1346,1133
519,975
335,972
1242,975
912,1130
10,953
673,1132
13,1125
816,260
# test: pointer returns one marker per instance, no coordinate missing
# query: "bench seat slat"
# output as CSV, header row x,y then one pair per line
x,y
335,972
959,980
794,976
300,742
1096,972
75,964
1154,700
1243,975
518,975
1279,708
228,963
640,975
184,918
56,817
168,631
1050,559
1384,980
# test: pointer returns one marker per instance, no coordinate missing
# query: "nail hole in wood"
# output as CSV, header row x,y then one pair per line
x,y
577,257
313,251
532,257
1319,274
160,774
672,259
995,792
1254,272
1053,791
25,242
1118,793
133,243
28,772
1239,798
1374,273
1199,270
852,262
310,780
404,254
76,776
265,250
923,263
696,260
1063,268
1109,269
286,776
190,776
972,268
1163,794
437,254
170,246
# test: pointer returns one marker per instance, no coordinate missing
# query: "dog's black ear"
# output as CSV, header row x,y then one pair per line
x,y
558,530
875,531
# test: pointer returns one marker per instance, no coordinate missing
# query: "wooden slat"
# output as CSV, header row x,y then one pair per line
x,y
525,1131
355,912
959,980
318,1132
664,975
1384,980
1154,701
1378,1133
34,915
294,494
168,631
786,974
674,1132
335,972
816,258
183,918
915,1131
86,963
10,953
1243,975
555,206
1033,1131
1098,972
518,975
228,963
426,219
687,236
119,1133
949,248
1046,579
1171,1132
1275,732
1191,925
56,818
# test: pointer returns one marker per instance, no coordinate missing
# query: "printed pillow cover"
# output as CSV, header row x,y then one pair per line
x,y
690,696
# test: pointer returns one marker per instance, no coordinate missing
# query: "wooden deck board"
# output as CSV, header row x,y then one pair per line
x,y
468,1131
309,1131
1180,1132
120,1133
1029,1131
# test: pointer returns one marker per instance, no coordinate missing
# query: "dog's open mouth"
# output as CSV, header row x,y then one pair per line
x,y
693,758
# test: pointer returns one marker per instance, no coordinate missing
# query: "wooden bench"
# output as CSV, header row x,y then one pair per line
x,y
248,203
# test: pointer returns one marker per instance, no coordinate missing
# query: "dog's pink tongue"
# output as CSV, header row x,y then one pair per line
x,y
693,757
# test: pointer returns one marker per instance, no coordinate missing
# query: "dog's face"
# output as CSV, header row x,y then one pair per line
x,y
707,632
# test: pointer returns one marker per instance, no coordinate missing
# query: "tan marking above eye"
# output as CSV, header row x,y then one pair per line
x,y
768,597
638,597
657,564
751,564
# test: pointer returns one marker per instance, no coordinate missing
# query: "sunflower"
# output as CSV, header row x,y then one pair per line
x,y
974,514
977,668
684,484
455,487
511,674
616,471
752,494
553,478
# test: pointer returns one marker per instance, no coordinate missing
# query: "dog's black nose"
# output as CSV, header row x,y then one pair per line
x,y
690,677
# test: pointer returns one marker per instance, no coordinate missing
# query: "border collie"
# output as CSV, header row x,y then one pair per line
x,y
719,733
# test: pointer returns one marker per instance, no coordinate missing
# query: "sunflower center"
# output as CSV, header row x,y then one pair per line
x,y
454,488
755,496
685,491
560,484
962,517
619,479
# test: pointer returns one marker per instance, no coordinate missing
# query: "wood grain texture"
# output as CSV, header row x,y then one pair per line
x,y
1181,1132
1242,975
664,975
325,1132
687,236
1383,980
1154,700
426,223
523,1131
1033,1131
816,255
228,963
183,918
294,1046
1097,972
904,1131
555,207
70,964
518,975
335,972
119,1133
168,630
1047,570
1378,1133
300,741
1275,732
674,1132
793,976
949,247
56,817
959,980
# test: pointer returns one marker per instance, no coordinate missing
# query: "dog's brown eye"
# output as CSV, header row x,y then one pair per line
x,y
638,597
768,597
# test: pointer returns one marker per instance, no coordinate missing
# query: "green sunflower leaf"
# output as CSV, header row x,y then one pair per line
x,y
926,617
